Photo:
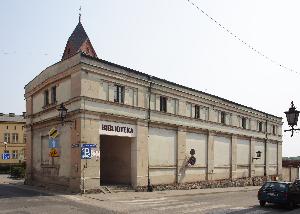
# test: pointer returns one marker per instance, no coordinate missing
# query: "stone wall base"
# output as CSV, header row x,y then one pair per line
x,y
240,182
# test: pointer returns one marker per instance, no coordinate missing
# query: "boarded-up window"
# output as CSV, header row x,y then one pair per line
x,y
204,113
129,96
243,152
103,91
260,146
222,151
162,147
272,152
153,102
188,109
198,142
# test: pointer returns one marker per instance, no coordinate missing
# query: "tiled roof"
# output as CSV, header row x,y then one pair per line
x,y
76,41
291,163
15,118
78,36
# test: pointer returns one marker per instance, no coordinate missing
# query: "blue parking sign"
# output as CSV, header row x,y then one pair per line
x,y
86,153
5,156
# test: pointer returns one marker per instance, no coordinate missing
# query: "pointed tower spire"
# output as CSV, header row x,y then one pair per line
x,y
78,42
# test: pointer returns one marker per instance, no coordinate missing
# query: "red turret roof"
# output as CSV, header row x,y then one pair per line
x,y
78,42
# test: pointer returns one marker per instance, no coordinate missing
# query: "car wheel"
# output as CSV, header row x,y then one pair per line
x,y
262,203
291,205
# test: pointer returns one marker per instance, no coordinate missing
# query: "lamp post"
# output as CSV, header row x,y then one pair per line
x,y
62,112
258,155
292,117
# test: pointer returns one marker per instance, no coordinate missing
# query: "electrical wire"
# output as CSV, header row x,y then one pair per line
x,y
248,45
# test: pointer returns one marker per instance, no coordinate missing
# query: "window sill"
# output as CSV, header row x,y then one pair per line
x,y
49,105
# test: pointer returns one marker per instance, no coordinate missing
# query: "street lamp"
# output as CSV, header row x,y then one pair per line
x,y
62,112
292,117
258,155
5,145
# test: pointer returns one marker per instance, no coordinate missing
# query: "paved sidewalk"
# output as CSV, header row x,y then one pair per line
x,y
5,179
167,193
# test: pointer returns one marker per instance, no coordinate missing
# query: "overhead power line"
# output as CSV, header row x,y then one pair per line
x,y
248,45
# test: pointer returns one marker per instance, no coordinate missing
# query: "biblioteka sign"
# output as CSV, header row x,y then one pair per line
x,y
117,129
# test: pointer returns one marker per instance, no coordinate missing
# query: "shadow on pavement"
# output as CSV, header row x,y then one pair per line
x,y
13,191
269,208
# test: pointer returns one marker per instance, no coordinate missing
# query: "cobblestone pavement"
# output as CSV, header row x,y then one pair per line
x,y
239,202
17,198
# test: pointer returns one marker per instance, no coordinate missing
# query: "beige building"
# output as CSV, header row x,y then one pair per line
x,y
12,138
290,168
143,126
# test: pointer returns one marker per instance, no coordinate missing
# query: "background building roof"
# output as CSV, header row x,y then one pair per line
x,y
11,117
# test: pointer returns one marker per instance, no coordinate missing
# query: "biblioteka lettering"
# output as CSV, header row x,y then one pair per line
x,y
111,128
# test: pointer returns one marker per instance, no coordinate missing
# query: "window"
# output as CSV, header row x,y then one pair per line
x,y
46,97
14,154
24,138
223,117
119,94
15,127
6,127
7,137
244,120
53,94
204,113
260,126
274,130
197,111
163,104
189,110
15,137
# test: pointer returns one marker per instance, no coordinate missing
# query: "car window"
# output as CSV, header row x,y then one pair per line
x,y
296,187
268,185
281,187
275,186
297,183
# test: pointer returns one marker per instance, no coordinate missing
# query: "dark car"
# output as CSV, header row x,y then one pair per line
x,y
285,193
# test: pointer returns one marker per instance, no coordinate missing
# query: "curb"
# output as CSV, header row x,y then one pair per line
x,y
175,194
216,192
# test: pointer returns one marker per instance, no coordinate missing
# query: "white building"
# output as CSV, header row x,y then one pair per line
x,y
108,105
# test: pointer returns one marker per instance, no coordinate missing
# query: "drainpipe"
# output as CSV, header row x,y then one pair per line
x,y
266,141
149,186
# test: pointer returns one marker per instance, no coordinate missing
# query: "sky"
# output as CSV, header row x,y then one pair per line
x,y
169,39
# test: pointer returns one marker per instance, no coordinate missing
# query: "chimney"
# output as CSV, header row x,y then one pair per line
x,y
11,114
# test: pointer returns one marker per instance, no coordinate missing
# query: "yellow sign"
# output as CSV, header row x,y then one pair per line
x,y
53,153
53,133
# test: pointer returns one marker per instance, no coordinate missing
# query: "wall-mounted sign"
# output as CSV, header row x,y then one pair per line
x,y
86,145
117,129
86,152
5,156
53,133
96,154
53,153
53,143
